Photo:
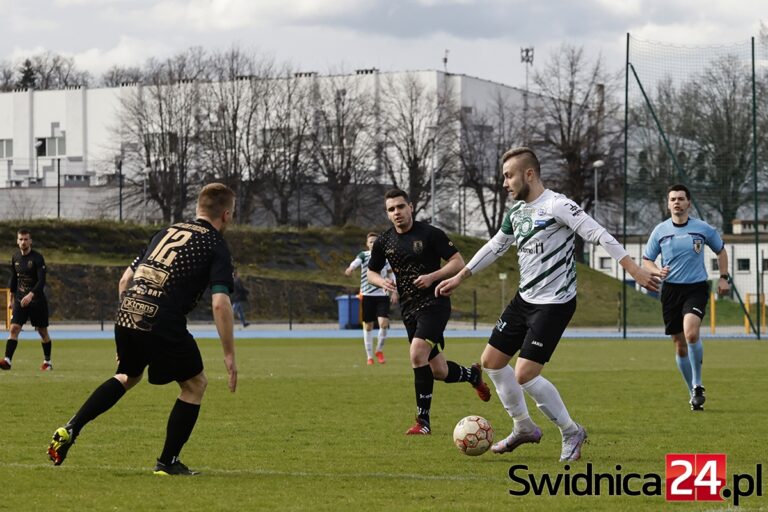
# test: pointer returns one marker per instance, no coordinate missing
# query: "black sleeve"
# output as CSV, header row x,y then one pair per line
x,y
135,263
222,269
378,260
13,283
443,244
40,264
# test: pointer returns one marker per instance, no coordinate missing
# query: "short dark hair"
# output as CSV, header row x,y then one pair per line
x,y
396,192
23,231
530,158
677,187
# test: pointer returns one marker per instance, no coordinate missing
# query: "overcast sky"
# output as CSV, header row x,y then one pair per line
x,y
483,36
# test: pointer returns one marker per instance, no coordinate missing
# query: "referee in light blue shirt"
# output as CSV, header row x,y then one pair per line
x,y
680,241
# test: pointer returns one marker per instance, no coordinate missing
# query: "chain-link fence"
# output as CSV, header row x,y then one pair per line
x,y
697,115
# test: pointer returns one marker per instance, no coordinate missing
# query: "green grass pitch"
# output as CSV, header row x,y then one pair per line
x,y
311,427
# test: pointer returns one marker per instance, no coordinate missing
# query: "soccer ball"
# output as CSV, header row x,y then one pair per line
x,y
473,435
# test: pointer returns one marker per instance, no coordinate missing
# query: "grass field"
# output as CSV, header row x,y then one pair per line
x,y
311,428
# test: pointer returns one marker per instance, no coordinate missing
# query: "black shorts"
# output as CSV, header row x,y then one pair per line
x,y
429,325
677,300
533,329
375,306
36,312
168,359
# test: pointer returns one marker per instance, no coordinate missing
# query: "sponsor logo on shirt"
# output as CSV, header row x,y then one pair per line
x,y
537,248
153,276
138,307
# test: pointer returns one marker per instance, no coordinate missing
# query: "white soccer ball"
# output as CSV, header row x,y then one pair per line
x,y
473,435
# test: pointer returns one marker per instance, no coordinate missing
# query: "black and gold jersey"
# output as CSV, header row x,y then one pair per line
x,y
410,255
171,275
27,275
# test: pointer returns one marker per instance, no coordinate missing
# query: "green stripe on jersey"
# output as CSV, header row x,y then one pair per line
x,y
506,225
536,280
559,249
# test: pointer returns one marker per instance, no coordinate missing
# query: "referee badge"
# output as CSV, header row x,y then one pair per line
x,y
418,246
697,243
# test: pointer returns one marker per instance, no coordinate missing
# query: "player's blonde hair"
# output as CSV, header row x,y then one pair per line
x,y
530,158
215,199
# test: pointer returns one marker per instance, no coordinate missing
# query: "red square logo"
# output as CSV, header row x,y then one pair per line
x,y
695,477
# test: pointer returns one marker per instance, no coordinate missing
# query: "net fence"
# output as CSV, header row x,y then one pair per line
x,y
697,115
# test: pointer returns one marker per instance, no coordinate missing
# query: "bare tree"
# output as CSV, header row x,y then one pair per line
x,y
718,117
7,77
159,131
341,144
54,71
418,130
117,75
285,143
485,136
576,126
232,100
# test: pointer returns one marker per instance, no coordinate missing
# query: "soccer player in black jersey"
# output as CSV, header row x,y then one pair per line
x,y
29,302
157,291
414,250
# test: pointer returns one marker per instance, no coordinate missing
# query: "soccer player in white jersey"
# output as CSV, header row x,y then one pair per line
x,y
375,301
680,241
542,224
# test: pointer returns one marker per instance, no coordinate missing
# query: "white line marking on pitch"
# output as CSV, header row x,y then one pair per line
x,y
264,472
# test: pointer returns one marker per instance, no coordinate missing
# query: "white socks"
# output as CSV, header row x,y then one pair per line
x,y
511,396
549,402
368,341
382,339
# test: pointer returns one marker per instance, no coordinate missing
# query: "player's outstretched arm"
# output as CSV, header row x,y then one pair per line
x,y
646,278
222,316
447,287
652,267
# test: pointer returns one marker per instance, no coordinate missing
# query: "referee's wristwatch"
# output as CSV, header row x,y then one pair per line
x,y
727,277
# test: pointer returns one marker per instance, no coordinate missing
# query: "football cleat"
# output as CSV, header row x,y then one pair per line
x,y
61,442
421,428
370,361
380,357
175,469
515,439
697,398
4,364
46,366
482,389
572,445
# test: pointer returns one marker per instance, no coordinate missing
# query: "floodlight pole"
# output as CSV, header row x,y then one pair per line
x,y
526,57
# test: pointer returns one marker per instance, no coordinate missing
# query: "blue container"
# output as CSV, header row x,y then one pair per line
x,y
349,311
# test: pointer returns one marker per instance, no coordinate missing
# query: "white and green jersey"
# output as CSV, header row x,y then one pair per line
x,y
366,288
544,232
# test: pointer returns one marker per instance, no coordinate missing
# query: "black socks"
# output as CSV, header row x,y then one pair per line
x,y
10,348
180,424
100,401
424,383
